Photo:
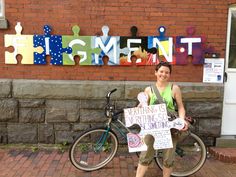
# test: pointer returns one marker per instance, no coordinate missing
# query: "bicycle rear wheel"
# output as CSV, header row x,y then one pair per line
x,y
190,156
93,149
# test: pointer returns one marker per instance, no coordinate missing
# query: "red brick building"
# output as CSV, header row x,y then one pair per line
x,y
208,17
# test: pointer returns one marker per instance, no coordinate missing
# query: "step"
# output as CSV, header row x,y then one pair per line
x,y
226,141
227,155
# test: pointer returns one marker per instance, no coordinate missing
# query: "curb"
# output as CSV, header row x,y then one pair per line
x,y
227,155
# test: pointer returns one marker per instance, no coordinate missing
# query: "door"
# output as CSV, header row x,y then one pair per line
x,y
229,105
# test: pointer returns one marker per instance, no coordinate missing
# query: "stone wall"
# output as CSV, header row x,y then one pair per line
x,y
52,111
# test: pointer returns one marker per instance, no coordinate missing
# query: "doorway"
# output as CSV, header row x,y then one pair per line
x,y
229,105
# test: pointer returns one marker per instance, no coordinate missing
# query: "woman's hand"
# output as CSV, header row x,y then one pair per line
x,y
186,126
143,99
139,105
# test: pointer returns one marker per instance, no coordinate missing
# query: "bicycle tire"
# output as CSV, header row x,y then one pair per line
x,y
88,153
193,152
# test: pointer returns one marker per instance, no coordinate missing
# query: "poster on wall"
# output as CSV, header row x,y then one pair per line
x,y
213,70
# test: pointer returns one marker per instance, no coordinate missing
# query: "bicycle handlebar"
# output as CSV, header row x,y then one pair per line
x,y
109,94
118,112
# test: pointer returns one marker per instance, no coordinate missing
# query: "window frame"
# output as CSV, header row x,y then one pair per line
x,y
232,9
2,9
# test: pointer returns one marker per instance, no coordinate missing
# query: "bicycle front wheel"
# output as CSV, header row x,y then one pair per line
x,y
93,149
190,156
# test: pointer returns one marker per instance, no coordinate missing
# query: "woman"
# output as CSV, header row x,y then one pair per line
x,y
167,92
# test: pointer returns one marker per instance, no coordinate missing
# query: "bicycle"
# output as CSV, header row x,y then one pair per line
x,y
96,147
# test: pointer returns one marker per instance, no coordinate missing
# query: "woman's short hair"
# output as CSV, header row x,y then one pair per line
x,y
163,63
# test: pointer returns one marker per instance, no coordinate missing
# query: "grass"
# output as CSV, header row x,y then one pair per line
x,y
35,147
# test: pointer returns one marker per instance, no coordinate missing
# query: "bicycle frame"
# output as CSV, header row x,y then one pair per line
x,y
111,114
120,130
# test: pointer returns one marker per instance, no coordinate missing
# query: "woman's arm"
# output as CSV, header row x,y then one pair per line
x,y
181,110
148,91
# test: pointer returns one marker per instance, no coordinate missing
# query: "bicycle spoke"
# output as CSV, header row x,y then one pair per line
x,y
189,158
93,149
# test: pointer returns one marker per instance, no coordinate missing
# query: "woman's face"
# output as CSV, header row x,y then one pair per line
x,y
163,73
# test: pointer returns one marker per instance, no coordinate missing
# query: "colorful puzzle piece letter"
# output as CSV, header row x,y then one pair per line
x,y
81,46
164,46
52,45
109,45
136,46
23,45
189,49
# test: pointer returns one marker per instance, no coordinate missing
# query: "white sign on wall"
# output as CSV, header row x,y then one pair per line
x,y
213,70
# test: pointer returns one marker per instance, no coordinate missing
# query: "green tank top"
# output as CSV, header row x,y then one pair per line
x,y
166,95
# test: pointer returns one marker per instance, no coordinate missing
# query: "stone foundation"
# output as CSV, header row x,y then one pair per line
x,y
52,111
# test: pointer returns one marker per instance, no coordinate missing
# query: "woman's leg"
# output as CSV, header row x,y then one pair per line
x,y
168,158
169,154
146,157
167,171
141,170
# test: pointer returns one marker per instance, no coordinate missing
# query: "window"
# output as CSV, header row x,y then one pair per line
x,y
2,9
3,21
232,42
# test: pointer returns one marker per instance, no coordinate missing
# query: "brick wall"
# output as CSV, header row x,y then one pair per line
x,y
208,16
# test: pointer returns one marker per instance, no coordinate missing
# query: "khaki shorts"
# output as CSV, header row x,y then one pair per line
x,y
146,157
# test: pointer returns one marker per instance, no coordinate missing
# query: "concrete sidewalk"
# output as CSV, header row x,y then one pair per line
x,y
54,163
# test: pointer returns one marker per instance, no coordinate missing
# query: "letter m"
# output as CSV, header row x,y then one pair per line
x,y
108,47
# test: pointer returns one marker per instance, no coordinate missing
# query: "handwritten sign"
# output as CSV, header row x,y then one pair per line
x,y
153,120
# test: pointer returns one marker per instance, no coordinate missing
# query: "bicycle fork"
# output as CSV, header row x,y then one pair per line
x,y
101,142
